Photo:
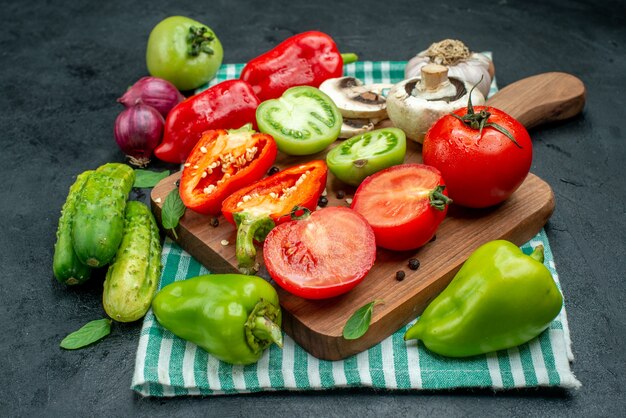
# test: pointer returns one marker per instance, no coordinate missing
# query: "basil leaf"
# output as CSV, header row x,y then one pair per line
x,y
173,209
87,334
358,324
147,178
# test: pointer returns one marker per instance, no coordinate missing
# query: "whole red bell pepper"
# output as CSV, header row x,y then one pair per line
x,y
305,59
257,208
227,105
222,162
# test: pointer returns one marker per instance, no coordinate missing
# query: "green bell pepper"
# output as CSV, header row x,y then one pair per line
x,y
500,298
232,316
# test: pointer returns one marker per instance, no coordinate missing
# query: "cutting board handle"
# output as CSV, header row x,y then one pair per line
x,y
541,99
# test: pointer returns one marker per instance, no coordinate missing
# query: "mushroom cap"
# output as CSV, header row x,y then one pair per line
x,y
356,100
415,115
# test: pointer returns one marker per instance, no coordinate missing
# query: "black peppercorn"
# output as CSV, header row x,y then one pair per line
x,y
414,264
400,275
273,170
341,194
177,182
322,202
215,222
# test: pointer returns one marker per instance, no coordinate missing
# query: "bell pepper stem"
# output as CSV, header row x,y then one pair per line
x,y
265,329
349,57
538,254
250,228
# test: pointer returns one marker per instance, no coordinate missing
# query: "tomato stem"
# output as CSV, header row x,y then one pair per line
x,y
438,200
479,121
199,39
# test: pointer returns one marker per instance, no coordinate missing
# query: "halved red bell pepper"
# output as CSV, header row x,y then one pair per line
x,y
222,162
305,59
227,105
257,208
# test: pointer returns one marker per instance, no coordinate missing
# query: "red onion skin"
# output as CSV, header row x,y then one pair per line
x,y
152,91
138,131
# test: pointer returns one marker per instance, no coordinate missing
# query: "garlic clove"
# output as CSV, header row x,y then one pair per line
x,y
463,64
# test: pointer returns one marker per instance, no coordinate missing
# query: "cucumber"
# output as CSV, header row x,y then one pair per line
x,y
131,280
98,224
66,266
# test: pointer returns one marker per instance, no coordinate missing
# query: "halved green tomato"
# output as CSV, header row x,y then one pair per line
x,y
363,155
303,120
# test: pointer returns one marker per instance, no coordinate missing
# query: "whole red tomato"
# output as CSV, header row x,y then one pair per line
x,y
481,167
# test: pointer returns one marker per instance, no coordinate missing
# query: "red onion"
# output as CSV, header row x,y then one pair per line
x,y
138,131
155,92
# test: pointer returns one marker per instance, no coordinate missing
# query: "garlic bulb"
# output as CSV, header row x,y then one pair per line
x,y
461,62
414,105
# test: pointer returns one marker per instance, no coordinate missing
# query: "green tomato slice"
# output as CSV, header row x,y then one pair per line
x,y
303,120
363,155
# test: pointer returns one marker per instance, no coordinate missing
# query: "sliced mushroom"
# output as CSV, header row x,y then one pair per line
x,y
414,105
353,127
356,100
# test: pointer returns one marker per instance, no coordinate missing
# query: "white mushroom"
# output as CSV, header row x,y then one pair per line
x,y
353,127
356,100
414,105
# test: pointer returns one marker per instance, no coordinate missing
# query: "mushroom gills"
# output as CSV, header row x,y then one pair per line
x,y
353,127
356,100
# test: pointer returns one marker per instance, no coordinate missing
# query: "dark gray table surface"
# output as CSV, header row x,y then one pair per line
x,y
63,64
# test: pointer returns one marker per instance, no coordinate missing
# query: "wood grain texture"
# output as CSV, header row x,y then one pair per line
x,y
317,325
541,99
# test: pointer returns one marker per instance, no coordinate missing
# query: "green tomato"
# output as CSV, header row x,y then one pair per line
x,y
303,120
183,52
363,155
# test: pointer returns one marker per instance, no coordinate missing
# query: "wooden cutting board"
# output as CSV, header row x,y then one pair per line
x,y
317,325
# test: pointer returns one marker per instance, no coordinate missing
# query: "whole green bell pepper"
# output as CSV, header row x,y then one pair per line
x,y
500,298
232,316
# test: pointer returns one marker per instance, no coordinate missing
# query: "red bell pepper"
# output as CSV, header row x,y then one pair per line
x,y
307,58
222,162
257,208
227,105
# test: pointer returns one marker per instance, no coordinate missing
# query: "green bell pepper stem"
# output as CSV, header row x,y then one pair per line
x,y
265,329
261,328
537,253
349,57
250,228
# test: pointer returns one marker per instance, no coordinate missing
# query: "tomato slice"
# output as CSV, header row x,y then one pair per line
x,y
365,154
303,120
222,162
404,204
324,255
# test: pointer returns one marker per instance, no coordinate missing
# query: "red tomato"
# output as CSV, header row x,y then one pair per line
x,y
480,170
404,204
322,256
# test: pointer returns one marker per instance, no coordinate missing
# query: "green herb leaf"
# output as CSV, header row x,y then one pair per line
x,y
173,209
147,178
358,324
88,334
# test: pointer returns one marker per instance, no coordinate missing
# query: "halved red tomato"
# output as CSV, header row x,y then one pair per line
x,y
322,256
404,205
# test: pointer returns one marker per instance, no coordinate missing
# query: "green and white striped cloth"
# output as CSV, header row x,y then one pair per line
x,y
169,366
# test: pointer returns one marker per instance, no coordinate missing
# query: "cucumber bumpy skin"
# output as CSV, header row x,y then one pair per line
x,y
98,223
66,266
132,278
